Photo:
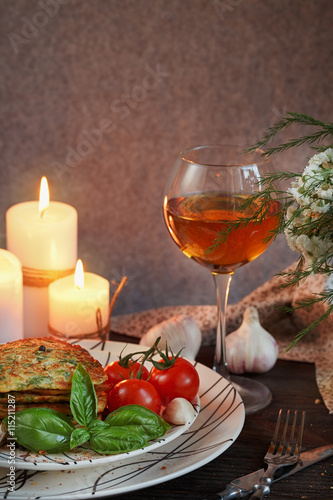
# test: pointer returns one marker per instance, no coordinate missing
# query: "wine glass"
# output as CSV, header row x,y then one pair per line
x,y
205,190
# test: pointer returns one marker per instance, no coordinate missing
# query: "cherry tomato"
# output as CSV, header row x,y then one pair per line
x,y
116,373
181,380
134,391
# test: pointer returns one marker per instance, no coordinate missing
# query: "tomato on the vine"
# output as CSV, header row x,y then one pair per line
x,y
116,372
134,392
180,380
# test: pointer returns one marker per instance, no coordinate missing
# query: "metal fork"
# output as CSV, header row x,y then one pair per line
x,y
281,453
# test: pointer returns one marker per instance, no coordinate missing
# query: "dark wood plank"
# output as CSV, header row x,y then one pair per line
x,y
293,386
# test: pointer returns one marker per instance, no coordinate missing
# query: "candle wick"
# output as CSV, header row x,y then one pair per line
x,y
42,212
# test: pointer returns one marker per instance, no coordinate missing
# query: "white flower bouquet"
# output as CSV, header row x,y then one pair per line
x,y
308,231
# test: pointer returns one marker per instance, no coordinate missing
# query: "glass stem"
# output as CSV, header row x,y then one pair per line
x,y
222,285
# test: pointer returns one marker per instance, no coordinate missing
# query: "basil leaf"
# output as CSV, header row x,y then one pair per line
x,y
83,401
95,426
140,420
109,440
43,429
79,436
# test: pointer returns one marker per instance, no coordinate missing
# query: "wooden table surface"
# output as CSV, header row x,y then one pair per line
x,y
293,386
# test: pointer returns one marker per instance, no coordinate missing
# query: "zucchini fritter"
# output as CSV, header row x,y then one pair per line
x,y
38,372
44,363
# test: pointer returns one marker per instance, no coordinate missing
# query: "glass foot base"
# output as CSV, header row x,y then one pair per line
x,y
254,394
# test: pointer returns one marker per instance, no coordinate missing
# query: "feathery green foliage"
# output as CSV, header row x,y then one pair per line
x,y
325,130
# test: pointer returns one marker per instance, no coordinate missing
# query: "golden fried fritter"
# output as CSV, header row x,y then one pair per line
x,y
44,363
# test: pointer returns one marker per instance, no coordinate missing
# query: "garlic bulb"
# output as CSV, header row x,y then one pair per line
x,y
251,348
179,332
179,412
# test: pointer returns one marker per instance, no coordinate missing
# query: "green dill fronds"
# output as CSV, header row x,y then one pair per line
x,y
325,131
326,297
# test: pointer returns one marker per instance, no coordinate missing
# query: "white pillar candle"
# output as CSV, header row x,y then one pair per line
x,y
74,301
44,237
11,297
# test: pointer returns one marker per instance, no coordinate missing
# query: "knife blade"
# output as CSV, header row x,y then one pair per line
x,y
242,487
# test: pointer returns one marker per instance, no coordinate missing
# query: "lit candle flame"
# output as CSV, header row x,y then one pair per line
x,y
79,275
44,197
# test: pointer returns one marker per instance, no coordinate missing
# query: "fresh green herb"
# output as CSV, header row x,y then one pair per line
x,y
111,440
140,420
78,437
325,130
44,429
83,401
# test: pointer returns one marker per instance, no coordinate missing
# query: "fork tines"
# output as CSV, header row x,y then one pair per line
x,y
284,446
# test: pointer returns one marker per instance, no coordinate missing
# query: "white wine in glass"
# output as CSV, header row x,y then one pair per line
x,y
204,195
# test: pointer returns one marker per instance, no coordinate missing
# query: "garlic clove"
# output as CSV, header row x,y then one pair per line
x,y
251,348
179,332
178,412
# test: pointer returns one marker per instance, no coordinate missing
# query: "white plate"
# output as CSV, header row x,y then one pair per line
x,y
217,426
85,456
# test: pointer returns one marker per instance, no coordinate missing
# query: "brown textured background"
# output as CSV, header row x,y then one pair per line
x,y
227,69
